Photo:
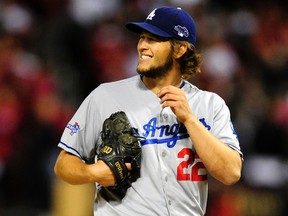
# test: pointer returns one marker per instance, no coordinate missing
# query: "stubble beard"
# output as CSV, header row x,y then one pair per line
x,y
156,72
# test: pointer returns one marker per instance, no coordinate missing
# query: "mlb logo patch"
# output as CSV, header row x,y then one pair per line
x,y
73,128
182,31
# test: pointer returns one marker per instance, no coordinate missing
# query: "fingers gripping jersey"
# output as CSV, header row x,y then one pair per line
x,y
173,179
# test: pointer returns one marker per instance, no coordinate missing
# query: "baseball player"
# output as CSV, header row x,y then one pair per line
x,y
187,132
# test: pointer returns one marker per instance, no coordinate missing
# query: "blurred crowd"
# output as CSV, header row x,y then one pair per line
x,y
53,53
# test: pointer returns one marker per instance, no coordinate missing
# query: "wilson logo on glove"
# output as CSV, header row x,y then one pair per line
x,y
107,149
119,168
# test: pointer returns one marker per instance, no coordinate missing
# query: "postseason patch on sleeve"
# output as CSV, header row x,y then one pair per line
x,y
74,128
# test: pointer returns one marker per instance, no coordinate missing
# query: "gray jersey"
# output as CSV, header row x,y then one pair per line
x,y
173,179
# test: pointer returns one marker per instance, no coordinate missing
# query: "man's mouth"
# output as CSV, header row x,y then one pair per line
x,y
144,57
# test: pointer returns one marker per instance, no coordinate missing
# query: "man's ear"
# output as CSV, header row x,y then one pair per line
x,y
181,50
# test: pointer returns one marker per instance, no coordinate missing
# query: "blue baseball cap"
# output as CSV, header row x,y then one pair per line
x,y
167,22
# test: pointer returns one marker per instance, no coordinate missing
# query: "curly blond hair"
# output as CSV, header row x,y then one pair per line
x,y
190,61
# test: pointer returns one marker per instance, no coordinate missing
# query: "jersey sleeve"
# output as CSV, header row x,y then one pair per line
x,y
82,132
222,125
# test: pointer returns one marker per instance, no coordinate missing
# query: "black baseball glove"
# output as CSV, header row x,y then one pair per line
x,y
120,145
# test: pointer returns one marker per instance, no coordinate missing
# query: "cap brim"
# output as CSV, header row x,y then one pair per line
x,y
138,27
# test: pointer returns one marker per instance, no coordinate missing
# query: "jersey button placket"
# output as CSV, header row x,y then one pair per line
x,y
164,161
165,175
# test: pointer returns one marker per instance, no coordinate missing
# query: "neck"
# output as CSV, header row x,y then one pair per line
x,y
157,83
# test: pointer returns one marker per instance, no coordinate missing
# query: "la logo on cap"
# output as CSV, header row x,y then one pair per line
x,y
151,15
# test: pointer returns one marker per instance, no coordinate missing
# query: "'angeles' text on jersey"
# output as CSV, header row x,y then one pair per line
x,y
168,134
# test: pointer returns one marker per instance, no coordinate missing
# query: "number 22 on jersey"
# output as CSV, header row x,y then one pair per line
x,y
190,167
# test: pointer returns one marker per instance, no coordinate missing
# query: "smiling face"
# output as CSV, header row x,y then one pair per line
x,y
155,56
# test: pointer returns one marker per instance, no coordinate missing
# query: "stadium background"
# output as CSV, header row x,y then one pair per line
x,y
53,53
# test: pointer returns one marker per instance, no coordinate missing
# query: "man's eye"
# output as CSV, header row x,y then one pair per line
x,y
153,39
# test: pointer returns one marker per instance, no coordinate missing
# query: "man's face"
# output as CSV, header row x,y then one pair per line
x,y
155,56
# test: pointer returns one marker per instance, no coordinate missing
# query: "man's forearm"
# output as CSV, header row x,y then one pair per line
x,y
221,161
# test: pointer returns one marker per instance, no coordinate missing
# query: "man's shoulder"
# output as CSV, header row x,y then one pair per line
x,y
121,82
204,95
117,86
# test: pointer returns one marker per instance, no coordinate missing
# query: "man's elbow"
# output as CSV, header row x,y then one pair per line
x,y
232,178
233,171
